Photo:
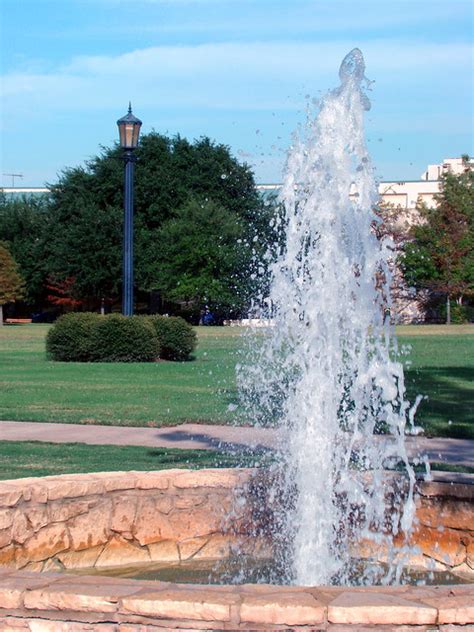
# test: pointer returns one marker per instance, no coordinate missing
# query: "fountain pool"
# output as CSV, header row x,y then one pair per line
x,y
326,374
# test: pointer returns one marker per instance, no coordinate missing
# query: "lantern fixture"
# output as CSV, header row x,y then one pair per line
x,y
129,130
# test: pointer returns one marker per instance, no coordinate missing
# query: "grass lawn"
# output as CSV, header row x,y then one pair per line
x,y
162,393
20,459
442,369
167,393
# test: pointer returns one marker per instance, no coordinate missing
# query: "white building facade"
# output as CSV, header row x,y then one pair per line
x,y
406,194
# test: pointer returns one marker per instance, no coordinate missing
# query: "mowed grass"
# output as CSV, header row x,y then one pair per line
x,y
440,366
20,459
166,393
131,394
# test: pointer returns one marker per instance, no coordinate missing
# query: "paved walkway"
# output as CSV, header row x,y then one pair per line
x,y
206,437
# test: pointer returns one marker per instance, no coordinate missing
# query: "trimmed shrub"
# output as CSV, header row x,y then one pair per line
x,y
88,337
119,338
177,337
70,338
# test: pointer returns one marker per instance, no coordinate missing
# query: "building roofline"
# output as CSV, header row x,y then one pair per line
x,y
23,189
279,184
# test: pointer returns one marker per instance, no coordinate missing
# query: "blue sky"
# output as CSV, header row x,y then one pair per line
x,y
239,71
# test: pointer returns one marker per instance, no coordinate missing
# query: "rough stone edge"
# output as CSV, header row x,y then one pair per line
x,y
75,485
67,486
13,490
58,598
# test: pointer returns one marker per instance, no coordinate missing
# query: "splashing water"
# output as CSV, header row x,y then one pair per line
x,y
325,371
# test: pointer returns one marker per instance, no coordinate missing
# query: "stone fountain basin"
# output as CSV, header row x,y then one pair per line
x,y
104,520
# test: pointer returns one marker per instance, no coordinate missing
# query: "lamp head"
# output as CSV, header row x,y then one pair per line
x,y
129,129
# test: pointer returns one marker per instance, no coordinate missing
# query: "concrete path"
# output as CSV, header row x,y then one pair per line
x,y
206,437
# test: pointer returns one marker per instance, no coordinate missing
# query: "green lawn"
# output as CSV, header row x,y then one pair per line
x,y
167,393
162,393
442,369
20,459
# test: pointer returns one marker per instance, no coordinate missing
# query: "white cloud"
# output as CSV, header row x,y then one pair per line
x,y
225,75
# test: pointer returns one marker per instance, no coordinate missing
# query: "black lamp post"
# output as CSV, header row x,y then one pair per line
x,y
129,129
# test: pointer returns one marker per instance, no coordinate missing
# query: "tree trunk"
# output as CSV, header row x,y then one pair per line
x,y
448,310
1,315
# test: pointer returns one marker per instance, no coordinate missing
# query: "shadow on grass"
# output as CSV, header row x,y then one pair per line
x,y
449,409
244,457
34,458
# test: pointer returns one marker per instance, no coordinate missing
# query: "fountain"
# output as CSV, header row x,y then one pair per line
x,y
326,373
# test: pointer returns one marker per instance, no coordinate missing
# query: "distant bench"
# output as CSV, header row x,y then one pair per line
x,y
18,321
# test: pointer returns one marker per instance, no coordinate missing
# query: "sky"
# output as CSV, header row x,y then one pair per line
x,y
239,71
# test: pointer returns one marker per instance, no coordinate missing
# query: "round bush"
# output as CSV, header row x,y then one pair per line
x,y
70,338
119,338
177,337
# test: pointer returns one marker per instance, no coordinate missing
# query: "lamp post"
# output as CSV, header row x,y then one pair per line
x,y
129,130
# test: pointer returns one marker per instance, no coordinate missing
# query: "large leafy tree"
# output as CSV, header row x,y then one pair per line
x,y
25,227
85,236
178,185
440,255
205,257
11,282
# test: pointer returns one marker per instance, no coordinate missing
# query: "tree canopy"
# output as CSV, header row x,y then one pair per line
x,y
440,253
203,258
11,282
24,227
201,227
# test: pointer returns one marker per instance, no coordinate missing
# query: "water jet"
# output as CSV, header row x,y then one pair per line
x,y
327,372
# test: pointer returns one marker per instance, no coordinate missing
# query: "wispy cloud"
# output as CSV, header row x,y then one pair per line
x,y
225,74
243,76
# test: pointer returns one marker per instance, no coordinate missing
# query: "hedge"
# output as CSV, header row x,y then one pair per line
x,y
89,337
118,338
177,337
70,338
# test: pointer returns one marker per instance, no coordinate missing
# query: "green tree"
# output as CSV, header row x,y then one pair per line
x,y
85,237
11,282
86,221
440,254
204,254
25,227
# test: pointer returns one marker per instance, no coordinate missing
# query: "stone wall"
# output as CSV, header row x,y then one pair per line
x,y
49,602
128,517
444,533
109,519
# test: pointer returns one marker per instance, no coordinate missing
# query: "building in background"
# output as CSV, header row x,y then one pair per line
x,y
406,194
18,192
398,203
449,165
